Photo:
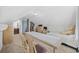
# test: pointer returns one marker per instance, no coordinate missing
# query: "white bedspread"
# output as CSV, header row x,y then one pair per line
x,y
68,39
55,41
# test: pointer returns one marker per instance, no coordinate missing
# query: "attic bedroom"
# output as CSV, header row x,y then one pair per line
x,y
39,29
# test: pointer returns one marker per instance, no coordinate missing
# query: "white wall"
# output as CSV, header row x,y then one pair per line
x,y
2,28
57,19
77,23
1,44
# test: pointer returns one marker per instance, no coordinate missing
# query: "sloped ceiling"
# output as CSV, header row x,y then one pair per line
x,y
57,18
12,13
8,14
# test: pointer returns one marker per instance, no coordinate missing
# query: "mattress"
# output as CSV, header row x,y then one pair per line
x,y
55,41
68,39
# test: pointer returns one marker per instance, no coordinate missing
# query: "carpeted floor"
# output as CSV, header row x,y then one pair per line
x,y
13,48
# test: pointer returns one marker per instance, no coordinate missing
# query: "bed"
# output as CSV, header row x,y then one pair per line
x,y
51,41
67,40
55,39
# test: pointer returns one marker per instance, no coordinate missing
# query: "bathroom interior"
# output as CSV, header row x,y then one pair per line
x,y
39,29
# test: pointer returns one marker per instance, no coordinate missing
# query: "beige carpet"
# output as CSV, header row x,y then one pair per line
x,y
16,47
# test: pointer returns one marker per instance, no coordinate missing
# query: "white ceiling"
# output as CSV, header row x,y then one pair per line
x,y
12,13
55,18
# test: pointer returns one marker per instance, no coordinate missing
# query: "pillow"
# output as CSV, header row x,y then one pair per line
x,y
70,31
39,29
